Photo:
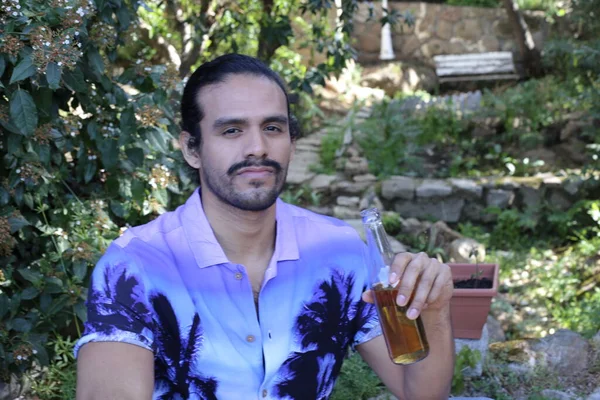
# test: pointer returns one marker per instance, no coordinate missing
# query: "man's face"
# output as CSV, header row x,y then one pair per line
x,y
246,146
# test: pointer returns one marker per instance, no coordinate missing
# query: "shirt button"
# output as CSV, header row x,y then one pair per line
x,y
264,393
238,276
250,338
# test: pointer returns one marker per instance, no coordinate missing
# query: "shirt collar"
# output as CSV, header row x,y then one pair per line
x,y
207,250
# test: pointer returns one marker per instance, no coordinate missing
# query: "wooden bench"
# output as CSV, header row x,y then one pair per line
x,y
475,67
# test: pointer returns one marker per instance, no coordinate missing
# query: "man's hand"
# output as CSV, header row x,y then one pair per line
x,y
425,278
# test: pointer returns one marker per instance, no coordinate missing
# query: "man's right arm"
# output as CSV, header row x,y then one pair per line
x,y
114,371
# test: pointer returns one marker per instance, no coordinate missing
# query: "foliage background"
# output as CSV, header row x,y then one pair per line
x,y
89,96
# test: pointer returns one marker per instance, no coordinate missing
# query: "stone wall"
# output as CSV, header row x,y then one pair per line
x,y
442,29
454,200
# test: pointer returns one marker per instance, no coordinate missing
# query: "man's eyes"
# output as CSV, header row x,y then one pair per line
x,y
231,131
234,131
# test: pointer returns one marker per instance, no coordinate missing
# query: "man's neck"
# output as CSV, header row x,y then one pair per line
x,y
247,237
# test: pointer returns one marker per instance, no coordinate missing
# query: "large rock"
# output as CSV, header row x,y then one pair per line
x,y
495,330
348,201
480,345
398,187
558,199
466,250
530,197
500,198
349,188
447,209
596,340
322,182
397,77
432,188
595,395
10,390
565,352
477,213
469,29
356,166
466,187
519,355
343,212
550,394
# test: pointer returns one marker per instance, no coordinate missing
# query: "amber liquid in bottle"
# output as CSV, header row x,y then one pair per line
x,y
405,338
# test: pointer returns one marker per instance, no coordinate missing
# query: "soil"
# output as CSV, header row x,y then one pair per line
x,y
481,283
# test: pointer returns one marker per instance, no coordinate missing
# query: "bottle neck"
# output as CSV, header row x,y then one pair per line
x,y
376,236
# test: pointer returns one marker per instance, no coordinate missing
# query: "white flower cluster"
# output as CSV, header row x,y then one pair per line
x,y
110,130
12,8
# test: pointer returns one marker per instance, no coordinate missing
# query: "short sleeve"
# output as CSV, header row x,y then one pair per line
x,y
117,306
366,321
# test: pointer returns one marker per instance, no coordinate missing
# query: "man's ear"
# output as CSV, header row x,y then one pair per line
x,y
190,154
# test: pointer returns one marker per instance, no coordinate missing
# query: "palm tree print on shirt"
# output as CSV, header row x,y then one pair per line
x,y
324,328
118,305
175,356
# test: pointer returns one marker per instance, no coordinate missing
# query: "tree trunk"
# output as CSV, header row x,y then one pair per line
x,y
266,47
530,54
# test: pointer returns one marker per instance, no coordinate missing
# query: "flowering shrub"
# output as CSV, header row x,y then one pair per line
x,y
86,149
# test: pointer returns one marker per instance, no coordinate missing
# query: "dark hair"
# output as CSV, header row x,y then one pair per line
x,y
216,71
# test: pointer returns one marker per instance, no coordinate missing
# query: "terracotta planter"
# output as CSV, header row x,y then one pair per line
x,y
469,308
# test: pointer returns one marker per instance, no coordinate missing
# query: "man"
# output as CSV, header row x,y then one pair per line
x,y
237,295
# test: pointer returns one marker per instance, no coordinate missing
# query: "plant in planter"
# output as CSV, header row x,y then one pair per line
x,y
474,287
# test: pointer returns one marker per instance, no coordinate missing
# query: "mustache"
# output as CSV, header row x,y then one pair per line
x,y
255,163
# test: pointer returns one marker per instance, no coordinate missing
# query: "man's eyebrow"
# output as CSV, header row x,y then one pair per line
x,y
223,121
281,119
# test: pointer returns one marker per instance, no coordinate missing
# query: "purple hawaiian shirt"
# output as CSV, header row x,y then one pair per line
x,y
167,286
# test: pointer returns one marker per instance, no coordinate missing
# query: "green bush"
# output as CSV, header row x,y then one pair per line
x,y
87,150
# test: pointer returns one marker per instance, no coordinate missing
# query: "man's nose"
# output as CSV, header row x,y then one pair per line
x,y
256,145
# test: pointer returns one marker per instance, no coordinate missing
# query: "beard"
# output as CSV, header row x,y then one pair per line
x,y
259,198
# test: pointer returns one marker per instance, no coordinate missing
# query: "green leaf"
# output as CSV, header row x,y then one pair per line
x,y
4,196
53,72
80,270
81,311
23,70
42,354
110,153
138,191
19,325
4,304
136,156
117,208
28,200
58,305
2,65
16,223
53,285
96,61
30,275
45,302
162,196
125,187
23,112
30,293
128,123
157,139
75,80
90,170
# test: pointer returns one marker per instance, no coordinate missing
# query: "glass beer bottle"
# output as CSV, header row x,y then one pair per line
x,y
405,338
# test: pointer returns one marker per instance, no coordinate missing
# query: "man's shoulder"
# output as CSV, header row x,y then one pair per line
x,y
303,217
150,231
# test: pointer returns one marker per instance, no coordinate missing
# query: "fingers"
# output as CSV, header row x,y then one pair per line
x,y
424,279
417,281
368,296
399,265
443,283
